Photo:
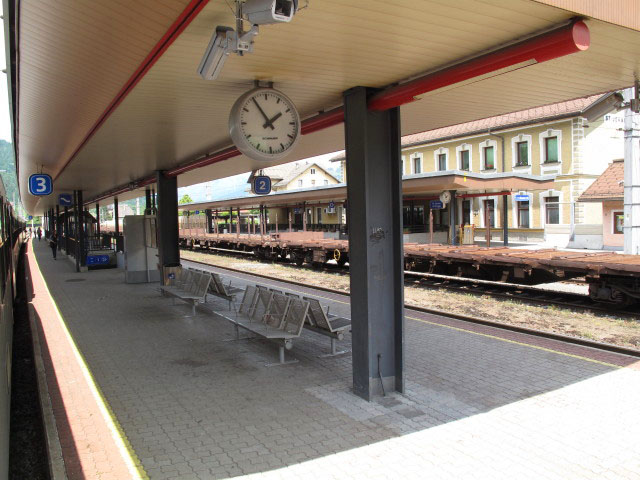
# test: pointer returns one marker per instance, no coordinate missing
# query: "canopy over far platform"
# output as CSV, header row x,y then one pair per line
x,y
433,182
103,96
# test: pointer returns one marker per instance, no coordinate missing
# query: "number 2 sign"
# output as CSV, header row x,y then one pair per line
x,y
40,184
261,185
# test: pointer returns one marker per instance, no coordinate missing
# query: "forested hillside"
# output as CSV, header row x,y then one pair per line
x,y
8,167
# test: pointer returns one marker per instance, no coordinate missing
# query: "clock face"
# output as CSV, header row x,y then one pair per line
x,y
264,124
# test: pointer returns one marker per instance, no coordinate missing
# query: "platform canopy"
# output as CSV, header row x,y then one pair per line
x,y
106,92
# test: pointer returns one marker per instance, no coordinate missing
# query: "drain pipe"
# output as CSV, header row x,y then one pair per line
x,y
505,200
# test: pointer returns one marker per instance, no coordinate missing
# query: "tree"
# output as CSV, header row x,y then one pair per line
x,y
185,199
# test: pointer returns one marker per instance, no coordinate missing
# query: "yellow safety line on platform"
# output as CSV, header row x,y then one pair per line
x,y
537,347
134,465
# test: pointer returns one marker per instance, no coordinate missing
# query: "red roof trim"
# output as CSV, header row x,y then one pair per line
x,y
177,27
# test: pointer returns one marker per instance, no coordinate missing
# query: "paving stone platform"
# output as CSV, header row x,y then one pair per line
x,y
194,403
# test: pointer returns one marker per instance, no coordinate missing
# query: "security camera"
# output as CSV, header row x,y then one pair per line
x,y
220,45
264,12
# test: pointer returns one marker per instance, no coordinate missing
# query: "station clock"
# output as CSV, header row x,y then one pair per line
x,y
264,124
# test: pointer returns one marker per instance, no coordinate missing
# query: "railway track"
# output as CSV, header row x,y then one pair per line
x,y
466,318
507,291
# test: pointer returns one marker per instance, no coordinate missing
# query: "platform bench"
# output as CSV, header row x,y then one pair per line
x,y
190,287
270,315
217,287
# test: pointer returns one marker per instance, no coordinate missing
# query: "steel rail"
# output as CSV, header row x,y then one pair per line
x,y
467,318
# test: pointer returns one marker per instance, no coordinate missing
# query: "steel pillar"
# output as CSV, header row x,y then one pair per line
x,y
82,240
66,230
167,221
505,220
58,228
76,230
147,201
453,218
374,193
207,214
116,214
98,219
631,227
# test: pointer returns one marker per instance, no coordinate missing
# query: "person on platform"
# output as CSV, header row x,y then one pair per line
x,y
53,243
39,231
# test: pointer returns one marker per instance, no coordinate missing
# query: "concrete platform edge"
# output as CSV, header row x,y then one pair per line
x,y
55,460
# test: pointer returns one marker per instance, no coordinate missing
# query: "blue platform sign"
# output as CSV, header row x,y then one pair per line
x,y
65,199
30,217
522,198
261,185
436,205
197,212
332,205
40,184
97,260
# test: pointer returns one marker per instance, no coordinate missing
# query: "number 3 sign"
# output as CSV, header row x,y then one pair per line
x,y
40,184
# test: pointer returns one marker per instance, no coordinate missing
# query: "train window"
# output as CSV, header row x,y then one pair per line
x,y
618,222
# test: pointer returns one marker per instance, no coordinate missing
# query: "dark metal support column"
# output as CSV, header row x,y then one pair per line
x,y
453,218
505,220
98,219
66,230
167,221
147,201
81,231
115,216
58,227
207,214
76,230
374,195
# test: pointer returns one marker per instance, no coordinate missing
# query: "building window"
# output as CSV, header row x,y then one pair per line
x,y
313,182
523,214
489,160
552,208
522,149
464,159
313,171
326,182
299,183
442,162
618,222
489,213
466,212
551,150
318,215
417,165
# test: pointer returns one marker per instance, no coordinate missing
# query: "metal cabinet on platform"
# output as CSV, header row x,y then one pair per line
x,y
140,249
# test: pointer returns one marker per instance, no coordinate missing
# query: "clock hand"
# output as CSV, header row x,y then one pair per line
x,y
268,124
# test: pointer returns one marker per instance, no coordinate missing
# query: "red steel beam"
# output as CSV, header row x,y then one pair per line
x,y
557,43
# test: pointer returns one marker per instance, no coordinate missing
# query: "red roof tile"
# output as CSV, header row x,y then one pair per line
x,y
608,186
